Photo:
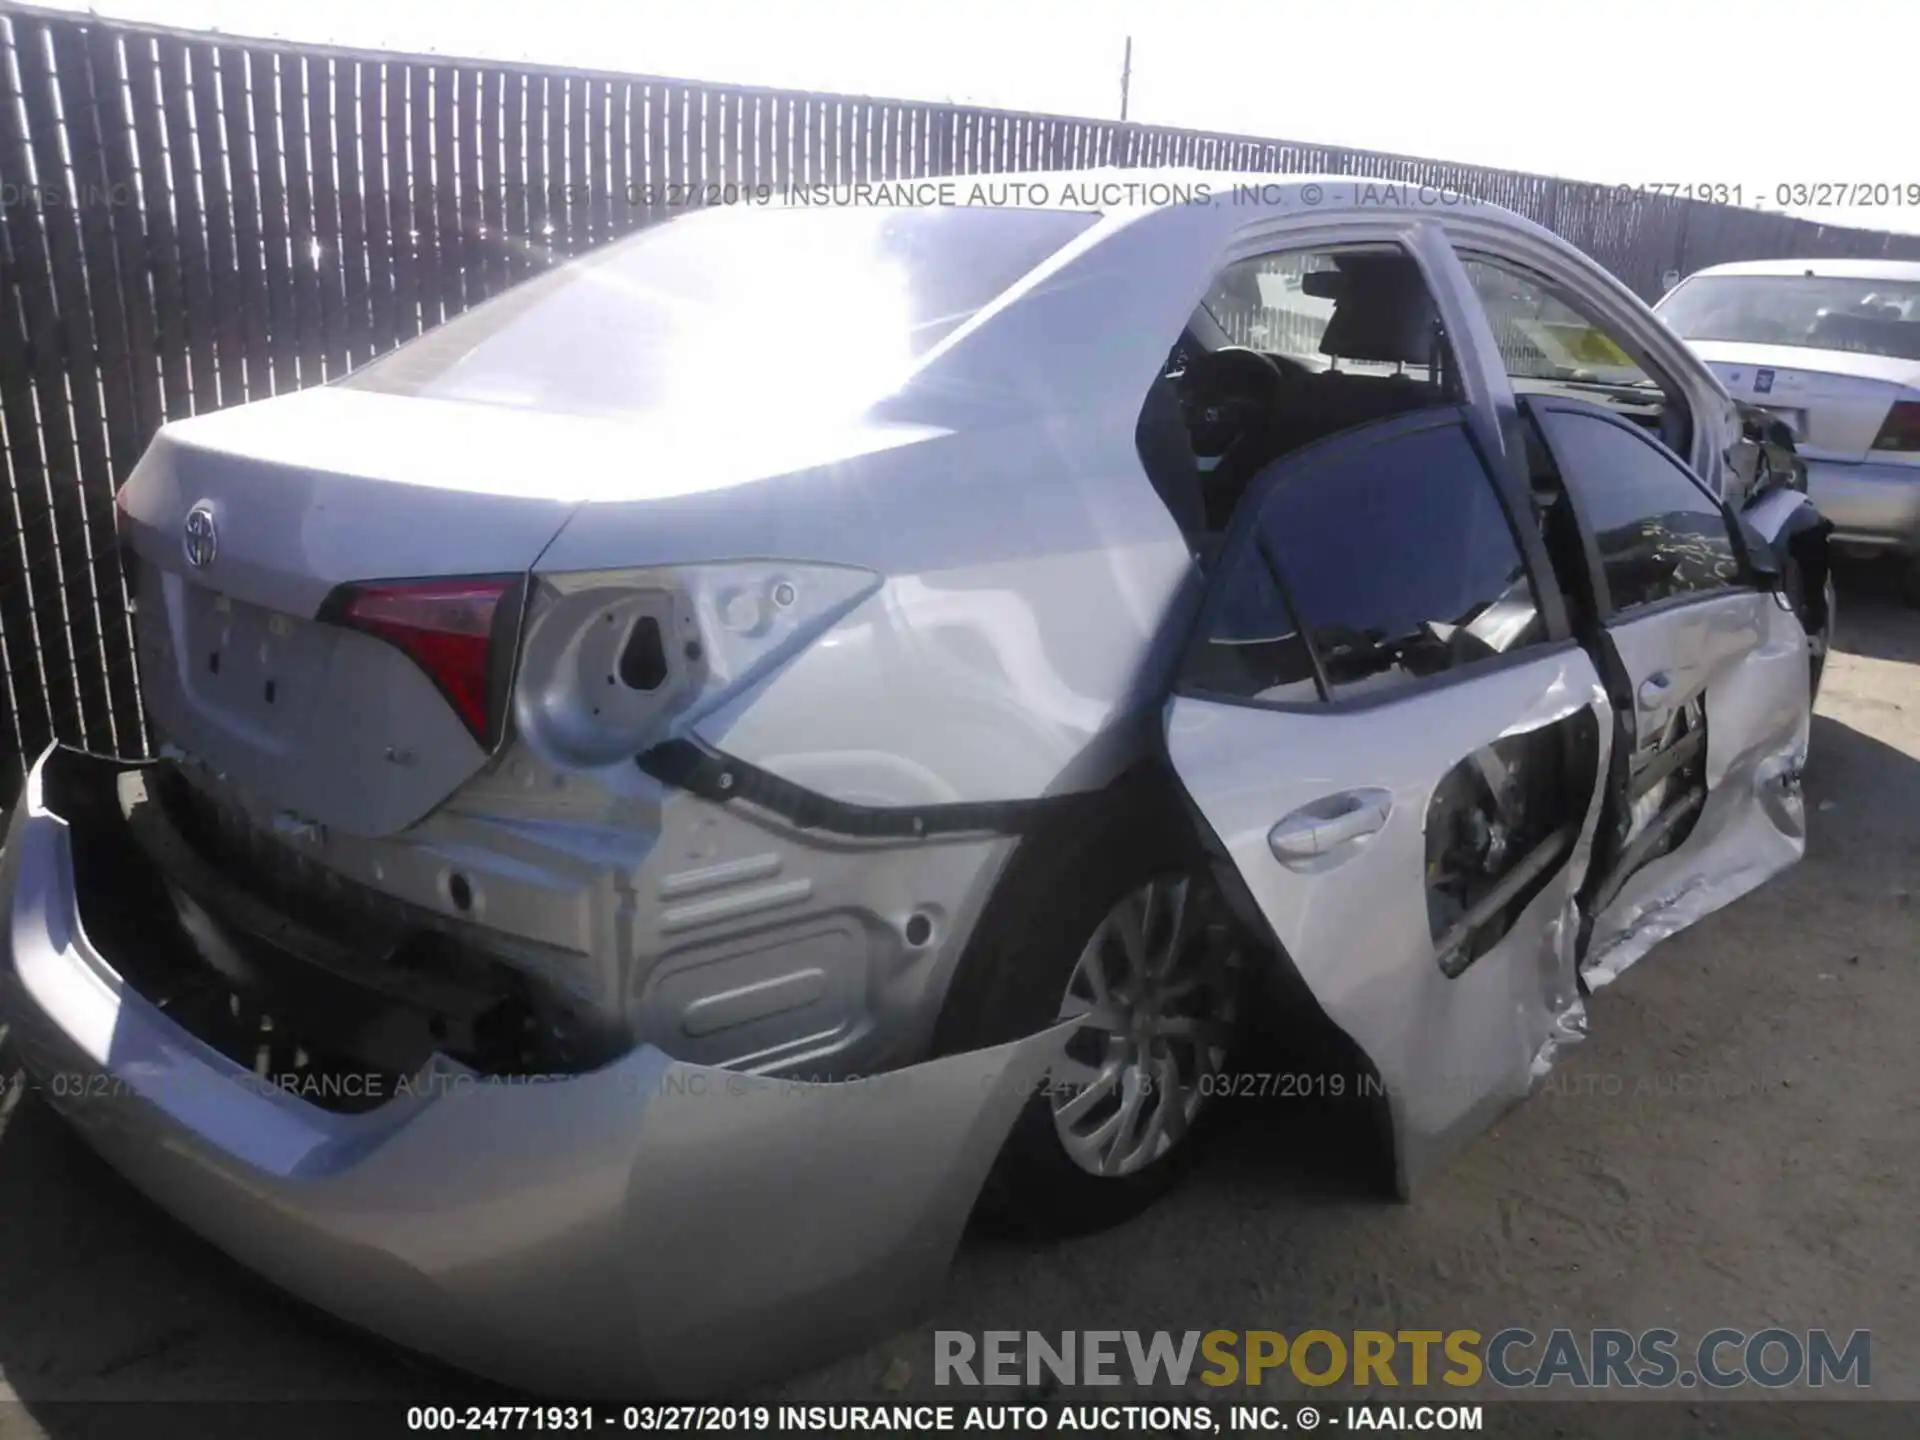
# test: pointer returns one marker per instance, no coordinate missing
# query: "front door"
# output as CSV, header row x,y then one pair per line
x,y
1710,676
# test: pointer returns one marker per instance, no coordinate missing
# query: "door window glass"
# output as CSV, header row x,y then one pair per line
x,y
1548,345
1659,534
1393,560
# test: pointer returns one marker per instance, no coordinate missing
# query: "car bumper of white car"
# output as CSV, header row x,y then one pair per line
x,y
648,1227
1870,505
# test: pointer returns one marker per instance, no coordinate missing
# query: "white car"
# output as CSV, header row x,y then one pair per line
x,y
1831,347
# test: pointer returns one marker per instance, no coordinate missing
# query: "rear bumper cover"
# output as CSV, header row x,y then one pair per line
x,y
1868,503
650,1227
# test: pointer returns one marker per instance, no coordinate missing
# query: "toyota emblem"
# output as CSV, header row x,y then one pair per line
x,y
199,537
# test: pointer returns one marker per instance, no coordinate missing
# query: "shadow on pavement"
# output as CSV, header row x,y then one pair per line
x,y
1877,620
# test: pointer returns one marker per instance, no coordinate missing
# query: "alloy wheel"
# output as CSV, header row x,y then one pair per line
x,y
1155,991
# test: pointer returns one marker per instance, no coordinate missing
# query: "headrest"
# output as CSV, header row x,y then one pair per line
x,y
1384,312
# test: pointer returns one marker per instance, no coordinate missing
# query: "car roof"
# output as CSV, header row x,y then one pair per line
x,y
1836,269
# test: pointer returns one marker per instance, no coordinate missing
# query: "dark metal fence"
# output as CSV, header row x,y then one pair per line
x,y
189,221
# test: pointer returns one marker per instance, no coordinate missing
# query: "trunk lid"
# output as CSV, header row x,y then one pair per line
x,y
291,498
1834,401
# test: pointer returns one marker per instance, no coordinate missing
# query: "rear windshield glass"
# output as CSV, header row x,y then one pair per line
x,y
823,307
1819,312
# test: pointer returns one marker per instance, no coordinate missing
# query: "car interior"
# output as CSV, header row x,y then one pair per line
x,y
1288,350
1224,410
1291,348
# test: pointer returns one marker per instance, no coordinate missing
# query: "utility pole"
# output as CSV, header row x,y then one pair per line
x,y
1126,75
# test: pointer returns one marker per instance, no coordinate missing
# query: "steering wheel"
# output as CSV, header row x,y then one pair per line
x,y
1227,392
1234,396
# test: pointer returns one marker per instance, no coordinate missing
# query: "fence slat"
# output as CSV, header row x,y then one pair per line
x,y
190,226
356,312
201,82
32,716
491,207
455,269
579,207
58,552
334,257
286,305
163,260
457,141
312,322
384,292
243,194
101,152
119,232
516,230
423,184
539,176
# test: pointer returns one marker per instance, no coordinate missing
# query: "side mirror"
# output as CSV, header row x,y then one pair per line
x,y
1761,557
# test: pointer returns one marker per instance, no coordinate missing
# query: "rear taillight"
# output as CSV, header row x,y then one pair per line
x,y
1901,429
460,632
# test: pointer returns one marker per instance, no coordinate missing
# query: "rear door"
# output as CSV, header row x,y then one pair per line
x,y
1709,674
1396,746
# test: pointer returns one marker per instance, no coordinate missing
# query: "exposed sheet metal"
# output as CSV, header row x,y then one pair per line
x,y
610,1234
1750,844
1753,823
1451,1052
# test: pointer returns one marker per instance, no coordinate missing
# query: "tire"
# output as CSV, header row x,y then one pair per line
x,y
1055,903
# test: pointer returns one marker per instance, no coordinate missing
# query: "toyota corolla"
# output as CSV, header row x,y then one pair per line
x,y
679,785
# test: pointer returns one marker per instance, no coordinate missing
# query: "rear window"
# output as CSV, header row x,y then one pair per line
x,y
1818,312
733,309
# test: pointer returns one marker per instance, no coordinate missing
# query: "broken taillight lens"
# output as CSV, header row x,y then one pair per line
x,y
1900,431
460,632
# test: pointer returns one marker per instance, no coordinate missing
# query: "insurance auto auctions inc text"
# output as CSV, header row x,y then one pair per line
x,y
1513,1358
1083,192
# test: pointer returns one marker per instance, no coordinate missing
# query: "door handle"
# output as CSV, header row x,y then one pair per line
x,y
1655,689
1326,825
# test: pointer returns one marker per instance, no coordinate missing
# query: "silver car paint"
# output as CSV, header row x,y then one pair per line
x,y
656,1226
723,938
320,763
1749,654
1051,564
1027,572
1450,1053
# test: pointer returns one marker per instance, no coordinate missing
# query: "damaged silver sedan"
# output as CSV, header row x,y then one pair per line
x,y
682,783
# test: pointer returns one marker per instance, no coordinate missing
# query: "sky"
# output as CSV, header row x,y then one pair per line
x,y
1753,94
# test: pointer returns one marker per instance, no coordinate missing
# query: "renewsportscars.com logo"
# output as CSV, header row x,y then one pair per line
x,y
1513,1358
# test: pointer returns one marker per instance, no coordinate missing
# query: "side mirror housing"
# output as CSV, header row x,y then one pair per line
x,y
1762,560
